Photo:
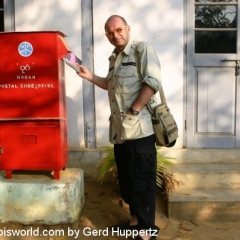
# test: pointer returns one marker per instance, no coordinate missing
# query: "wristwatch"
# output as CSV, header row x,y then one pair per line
x,y
134,112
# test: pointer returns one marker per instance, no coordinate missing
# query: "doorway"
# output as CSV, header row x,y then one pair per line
x,y
212,74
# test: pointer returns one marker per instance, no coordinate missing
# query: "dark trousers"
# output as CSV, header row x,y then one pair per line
x,y
137,165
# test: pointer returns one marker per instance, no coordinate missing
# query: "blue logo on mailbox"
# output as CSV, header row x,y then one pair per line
x,y
25,49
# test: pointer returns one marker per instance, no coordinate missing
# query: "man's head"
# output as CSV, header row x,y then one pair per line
x,y
117,32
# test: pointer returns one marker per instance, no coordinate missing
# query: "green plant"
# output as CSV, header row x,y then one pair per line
x,y
165,178
107,164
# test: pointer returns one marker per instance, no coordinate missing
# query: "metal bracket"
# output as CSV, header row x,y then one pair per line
x,y
90,135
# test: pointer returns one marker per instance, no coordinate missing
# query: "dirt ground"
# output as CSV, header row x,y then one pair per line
x,y
104,208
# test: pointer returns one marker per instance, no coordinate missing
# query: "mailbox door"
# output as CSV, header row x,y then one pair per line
x,y
30,146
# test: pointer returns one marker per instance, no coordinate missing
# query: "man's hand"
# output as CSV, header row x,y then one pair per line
x,y
85,73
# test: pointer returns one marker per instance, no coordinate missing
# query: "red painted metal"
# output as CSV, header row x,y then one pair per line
x,y
33,122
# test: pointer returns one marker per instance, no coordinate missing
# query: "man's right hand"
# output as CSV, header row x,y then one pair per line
x,y
85,73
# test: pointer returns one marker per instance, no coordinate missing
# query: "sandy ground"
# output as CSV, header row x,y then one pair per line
x,y
104,208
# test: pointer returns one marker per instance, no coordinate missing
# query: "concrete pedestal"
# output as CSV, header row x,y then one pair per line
x,y
34,197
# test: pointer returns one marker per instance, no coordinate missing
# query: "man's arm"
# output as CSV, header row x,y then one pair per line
x,y
150,74
144,96
86,74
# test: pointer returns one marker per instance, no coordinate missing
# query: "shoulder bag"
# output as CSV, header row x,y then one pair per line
x,y
164,125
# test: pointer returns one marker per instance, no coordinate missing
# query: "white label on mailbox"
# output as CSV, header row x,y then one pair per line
x,y
25,49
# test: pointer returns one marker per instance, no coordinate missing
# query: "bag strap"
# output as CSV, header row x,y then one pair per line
x,y
162,96
161,92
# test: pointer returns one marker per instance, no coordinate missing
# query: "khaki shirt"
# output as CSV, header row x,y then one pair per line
x,y
124,86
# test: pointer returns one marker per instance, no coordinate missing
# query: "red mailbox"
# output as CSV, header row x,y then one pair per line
x,y
33,127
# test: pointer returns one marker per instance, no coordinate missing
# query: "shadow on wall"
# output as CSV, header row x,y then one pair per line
x,y
74,131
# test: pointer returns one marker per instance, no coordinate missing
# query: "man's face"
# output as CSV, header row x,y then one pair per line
x,y
117,33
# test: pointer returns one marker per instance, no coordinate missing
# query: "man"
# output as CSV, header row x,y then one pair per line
x,y
132,80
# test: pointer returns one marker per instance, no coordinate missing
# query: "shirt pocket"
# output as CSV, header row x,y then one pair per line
x,y
128,81
131,127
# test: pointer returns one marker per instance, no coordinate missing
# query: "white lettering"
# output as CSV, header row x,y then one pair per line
x,y
26,77
45,85
31,232
73,233
133,233
8,86
27,86
87,231
94,232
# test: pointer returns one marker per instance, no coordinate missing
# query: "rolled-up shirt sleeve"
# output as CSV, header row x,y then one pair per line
x,y
149,68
